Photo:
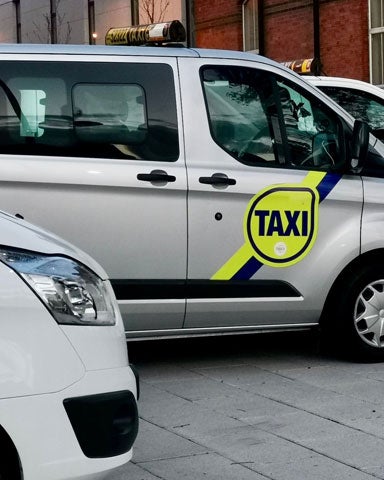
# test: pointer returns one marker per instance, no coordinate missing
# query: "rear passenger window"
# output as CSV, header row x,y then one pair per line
x,y
113,114
119,111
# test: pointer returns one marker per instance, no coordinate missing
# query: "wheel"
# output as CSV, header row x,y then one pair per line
x,y
358,320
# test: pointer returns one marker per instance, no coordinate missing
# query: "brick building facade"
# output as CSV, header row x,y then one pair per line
x,y
335,31
220,25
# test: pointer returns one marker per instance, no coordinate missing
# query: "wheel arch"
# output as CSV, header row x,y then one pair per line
x,y
13,468
372,257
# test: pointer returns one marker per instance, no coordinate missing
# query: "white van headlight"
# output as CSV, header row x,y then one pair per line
x,y
72,293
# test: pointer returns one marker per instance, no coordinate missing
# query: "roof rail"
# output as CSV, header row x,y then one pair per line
x,y
151,34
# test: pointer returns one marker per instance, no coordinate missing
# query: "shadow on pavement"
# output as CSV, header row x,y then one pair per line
x,y
269,344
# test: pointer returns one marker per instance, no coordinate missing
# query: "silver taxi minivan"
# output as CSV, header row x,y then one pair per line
x,y
221,192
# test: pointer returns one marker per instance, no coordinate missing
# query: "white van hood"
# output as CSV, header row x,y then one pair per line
x,y
21,234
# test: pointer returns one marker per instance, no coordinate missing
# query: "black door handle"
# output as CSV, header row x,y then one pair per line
x,y
217,179
156,176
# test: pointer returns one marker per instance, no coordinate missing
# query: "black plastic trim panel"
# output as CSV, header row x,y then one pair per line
x,y
105,424
178,289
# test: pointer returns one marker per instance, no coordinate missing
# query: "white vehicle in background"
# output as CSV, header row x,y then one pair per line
x,y
67,393
362,100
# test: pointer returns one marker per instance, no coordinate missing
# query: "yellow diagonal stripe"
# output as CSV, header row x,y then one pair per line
x,y
233,265
313,179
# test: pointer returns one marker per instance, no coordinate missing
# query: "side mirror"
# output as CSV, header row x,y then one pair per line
x,y
359,145
379,133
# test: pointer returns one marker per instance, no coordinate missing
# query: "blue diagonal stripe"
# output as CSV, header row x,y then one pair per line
x,y
327,184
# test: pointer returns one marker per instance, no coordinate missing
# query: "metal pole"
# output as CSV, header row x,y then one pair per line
x,y
53,25
18,20
260,19
316,30
135,17
188,6
91,22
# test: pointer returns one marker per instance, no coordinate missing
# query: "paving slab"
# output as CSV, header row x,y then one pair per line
x,y
157,443
209,466
132,471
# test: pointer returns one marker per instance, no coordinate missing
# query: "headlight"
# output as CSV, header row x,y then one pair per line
x,y
72,293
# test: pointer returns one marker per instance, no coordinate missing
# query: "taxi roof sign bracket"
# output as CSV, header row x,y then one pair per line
x,y
154,34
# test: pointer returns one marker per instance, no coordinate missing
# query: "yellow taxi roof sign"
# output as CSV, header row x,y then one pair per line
x,y
306,66
154,33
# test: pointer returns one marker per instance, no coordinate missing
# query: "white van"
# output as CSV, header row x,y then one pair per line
x,y
362,100
68,395
221,192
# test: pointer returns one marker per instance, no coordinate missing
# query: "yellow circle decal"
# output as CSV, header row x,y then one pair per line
x,y
281,224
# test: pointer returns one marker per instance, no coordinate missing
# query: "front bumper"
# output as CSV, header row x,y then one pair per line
x,y
50,447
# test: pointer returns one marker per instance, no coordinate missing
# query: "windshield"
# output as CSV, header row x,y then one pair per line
x,y
361,105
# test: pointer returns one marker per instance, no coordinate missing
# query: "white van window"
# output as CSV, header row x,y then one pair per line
x,y
361,105
91,109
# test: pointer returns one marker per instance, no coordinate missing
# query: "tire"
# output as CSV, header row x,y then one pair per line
x,y
7,472
357,314
10,468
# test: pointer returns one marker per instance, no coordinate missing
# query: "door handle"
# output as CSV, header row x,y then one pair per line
x,y
217,179
156,176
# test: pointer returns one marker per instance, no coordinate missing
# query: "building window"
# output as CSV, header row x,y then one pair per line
x,y
376,34
250,26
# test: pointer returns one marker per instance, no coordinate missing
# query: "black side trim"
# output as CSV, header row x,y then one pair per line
x,y
106,424
149,289
178,289
240,289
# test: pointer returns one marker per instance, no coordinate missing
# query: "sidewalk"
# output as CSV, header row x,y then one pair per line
x,y
255,408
